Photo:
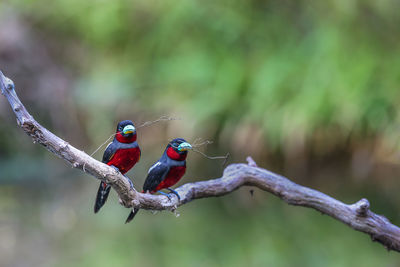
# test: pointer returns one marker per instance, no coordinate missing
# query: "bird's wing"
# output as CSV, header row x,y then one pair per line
x,y
109,152
156,175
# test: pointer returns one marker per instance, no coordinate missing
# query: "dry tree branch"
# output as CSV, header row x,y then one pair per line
x,y
358,216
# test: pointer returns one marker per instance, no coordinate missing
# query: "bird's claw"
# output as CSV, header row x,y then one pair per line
x,y
115,168
175,193
130,182
165,194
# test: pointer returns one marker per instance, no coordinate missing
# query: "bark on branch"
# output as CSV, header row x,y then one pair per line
x,y
358,216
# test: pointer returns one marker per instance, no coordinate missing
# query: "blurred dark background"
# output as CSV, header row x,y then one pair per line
x,y
310,89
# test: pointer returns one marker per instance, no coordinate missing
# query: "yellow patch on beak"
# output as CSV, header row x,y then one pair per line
x,y
129,129
184,146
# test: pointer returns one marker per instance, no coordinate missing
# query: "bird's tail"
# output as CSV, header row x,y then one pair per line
x,y
132,215
102,195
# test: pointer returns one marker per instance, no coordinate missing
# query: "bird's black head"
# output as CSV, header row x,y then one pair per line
x,y
126,131
177,149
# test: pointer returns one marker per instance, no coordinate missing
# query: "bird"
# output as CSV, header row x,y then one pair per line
x,y
167,171
122,154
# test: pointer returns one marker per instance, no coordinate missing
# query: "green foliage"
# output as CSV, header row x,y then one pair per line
x,y
292,65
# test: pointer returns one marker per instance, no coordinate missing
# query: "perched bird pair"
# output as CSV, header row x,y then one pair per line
x,y
124,152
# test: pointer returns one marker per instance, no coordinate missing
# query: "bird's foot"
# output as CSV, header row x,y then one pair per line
x,y
130,182
115,168
164,194
175,193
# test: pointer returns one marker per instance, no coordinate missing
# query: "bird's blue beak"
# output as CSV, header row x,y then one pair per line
x,y
128,129
184,146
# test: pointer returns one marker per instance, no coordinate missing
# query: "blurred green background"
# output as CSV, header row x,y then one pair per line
x,y
310,89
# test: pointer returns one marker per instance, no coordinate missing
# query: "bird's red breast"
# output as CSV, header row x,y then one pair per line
x,y
173,176
125,159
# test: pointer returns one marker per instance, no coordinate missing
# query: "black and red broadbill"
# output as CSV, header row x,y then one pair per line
x,y
167,171
122,153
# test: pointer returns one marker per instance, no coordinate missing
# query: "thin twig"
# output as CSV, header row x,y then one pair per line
x,y
162,118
